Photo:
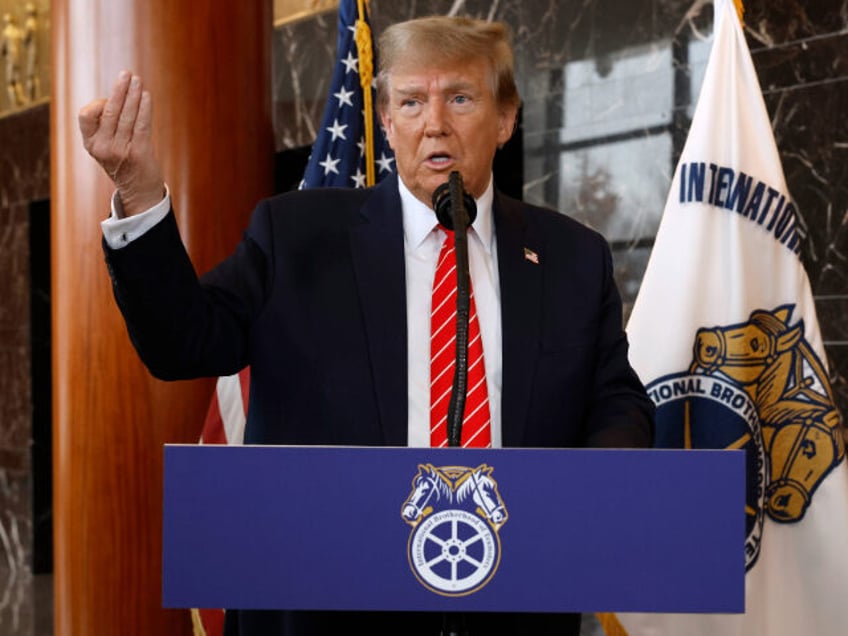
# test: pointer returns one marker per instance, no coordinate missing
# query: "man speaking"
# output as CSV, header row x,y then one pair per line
x,y
335,299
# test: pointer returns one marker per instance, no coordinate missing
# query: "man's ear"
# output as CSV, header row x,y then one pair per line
x,y
388,128
506,124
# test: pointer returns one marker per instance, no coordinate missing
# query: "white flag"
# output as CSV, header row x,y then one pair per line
x,y
726,300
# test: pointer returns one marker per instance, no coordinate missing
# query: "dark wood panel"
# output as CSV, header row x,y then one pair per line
x,y
207,65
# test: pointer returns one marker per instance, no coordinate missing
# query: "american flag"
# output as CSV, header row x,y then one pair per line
x,y
350,151
345,140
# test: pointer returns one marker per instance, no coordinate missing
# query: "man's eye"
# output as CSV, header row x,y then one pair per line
x,y
462,99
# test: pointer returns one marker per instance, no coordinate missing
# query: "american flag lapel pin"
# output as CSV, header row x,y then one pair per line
x,y
531,256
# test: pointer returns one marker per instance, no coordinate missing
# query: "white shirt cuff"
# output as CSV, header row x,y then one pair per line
x,y
119,231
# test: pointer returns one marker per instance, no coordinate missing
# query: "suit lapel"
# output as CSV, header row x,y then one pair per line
x,y
521,300
378,261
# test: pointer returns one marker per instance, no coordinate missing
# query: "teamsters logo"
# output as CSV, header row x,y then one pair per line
x,y
455,513
757,386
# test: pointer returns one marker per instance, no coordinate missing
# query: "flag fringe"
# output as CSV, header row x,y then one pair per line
x,y
610,624
740,11
196,623
362,36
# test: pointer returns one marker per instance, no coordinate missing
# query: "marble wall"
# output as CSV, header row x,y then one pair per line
x,y
609,87
24,180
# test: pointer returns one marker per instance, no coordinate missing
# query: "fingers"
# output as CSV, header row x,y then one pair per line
x,y
89,119
109,126
108,123
142,126
114,106
128,113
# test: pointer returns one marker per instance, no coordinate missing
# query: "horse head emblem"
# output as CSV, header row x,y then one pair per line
x,y
774,364
479,485
428,487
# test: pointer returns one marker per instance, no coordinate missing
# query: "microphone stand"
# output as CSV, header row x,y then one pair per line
x,y
456,406
456,209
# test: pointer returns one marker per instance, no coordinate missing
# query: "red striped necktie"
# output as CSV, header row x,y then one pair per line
x,y
476,429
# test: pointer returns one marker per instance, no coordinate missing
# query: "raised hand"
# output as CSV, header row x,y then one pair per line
x,y
117,133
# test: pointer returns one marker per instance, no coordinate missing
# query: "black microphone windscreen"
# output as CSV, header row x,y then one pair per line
x,y
442,202
442,205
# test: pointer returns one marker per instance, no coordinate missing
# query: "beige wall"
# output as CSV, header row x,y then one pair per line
x,y
290,10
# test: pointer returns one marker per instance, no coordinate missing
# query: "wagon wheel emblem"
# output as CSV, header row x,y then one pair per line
x,y
454,552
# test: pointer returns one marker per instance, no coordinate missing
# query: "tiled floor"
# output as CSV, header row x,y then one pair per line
x,y
26,603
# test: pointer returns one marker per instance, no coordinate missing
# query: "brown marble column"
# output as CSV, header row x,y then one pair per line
x,y
207,65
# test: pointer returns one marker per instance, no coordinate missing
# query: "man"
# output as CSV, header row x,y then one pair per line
x,y
328,296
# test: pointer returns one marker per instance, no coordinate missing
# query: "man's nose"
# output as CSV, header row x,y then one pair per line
x,y
437,120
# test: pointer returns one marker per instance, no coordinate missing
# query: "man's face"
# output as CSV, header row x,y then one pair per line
x,y
443,119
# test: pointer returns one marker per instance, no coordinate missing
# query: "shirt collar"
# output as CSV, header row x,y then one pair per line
x,y
419,220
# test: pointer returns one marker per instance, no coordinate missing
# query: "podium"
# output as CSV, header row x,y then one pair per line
x,y
477,530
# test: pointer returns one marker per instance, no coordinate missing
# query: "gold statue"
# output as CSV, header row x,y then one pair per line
x,y
11,50
30,38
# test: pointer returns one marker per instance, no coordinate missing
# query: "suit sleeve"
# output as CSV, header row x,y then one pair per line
x,y
183,326
621,415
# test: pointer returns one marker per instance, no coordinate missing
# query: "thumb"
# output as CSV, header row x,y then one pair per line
x,y
89,118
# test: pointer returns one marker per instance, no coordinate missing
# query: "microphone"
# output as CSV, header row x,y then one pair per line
x,y
456,209
444,198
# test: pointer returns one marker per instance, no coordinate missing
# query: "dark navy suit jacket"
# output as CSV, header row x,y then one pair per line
x,y
313,299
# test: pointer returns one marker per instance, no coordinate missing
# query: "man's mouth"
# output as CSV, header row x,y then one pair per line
x,y
439,159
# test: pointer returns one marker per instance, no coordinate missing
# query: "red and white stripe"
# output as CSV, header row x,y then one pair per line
x,y
476,428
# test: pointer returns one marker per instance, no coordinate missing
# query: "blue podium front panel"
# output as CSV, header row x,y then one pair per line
x,y
524,530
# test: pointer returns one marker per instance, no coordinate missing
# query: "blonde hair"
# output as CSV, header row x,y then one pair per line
x,y
447,40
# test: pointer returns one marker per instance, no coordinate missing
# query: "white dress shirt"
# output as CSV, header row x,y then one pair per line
x,y
422,244
119,230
